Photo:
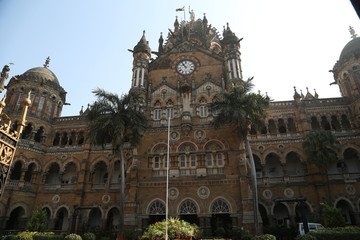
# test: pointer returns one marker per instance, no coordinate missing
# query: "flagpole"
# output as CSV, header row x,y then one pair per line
x,y
167,182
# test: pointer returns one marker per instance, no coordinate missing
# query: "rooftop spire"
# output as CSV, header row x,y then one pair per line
x,y
47,61
352,32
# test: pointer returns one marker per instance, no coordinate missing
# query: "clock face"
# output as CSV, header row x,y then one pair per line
x,y
185,67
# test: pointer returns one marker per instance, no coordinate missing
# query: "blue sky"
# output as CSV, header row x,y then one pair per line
x,y
286,43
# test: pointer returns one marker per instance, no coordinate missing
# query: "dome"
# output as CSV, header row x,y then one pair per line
x,y
352,47
41,73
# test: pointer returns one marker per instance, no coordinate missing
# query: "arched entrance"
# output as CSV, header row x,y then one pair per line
x,y
220,216
281,214
16,220
347,212
62,220
156,212
188,212
302,210
113,219
264,216
94,220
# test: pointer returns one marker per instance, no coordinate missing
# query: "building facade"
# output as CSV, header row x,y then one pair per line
x,y
56,168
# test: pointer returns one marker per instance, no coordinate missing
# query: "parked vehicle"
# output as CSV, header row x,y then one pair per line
x,y
312,227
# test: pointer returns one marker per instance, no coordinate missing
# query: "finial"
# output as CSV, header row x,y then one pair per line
x,y
47,61
316,95
352,32
307,89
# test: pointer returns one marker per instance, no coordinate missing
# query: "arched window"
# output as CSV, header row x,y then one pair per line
x,y
156,208
203,109
100,174
27,131
345,122
314,123
273,166
29,172
169,109
16,171
40,134
70,174
293,165
188,207
56,139
220,206
52,176
157,111
281,126
325,123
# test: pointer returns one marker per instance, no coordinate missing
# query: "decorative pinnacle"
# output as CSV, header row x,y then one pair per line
x,y
352,32
47,61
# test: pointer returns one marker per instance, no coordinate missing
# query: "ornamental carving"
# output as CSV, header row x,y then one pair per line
x,y
203,192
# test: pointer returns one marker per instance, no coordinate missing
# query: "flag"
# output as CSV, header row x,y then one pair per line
x,y
180,9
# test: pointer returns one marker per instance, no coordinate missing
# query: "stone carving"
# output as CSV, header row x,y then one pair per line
x,y
173,193
289,193
203,192
4,75
267,193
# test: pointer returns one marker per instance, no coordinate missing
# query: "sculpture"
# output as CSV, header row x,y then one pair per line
x,y
4,75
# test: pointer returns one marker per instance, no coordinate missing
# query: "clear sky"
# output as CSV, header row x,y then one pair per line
x,y
286,43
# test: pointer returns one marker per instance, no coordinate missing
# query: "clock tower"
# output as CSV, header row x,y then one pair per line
x,y
191,67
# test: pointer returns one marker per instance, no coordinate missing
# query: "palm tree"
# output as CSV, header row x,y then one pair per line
x,y
116,120
242,109
321,148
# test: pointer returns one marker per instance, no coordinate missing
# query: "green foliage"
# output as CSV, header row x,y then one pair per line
x,y
38,221
281,231
331,235
176,227
264,237
25,235
331,217
115,119
47,236
239,108
73,236
236,233
88,236
246,237
305,237
320,147
220,232
133,234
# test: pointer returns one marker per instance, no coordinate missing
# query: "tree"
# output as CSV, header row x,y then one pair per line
x,y
320,147
116,120
331,216
38,221
241,109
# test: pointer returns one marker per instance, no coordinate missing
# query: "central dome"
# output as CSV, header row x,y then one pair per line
x,y
40,73
350,48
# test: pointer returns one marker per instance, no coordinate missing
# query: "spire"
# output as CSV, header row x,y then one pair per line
x,y
316,95
47,61
308,94
161,41
143,45
205,21
296,94
229,36
176,24
352,32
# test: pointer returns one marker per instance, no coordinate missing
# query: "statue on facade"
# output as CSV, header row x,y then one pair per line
x,y
3,76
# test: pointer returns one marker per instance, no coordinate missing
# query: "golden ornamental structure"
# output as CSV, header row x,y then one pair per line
x,y
9,137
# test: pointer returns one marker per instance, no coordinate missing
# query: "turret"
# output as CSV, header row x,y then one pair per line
x,y
231,47
142,55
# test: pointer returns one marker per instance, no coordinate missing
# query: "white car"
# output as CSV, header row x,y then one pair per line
x,y
312,227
